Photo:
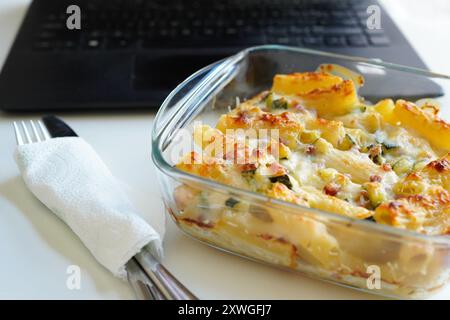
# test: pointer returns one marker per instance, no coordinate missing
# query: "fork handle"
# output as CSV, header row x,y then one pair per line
x,y
142,286
168,286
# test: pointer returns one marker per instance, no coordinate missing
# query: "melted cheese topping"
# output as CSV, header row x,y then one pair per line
x,y
338,154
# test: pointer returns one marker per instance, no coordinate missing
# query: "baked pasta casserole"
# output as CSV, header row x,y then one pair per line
x,y
312,141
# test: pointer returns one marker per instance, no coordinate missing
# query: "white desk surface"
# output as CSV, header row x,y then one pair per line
x,y
36,248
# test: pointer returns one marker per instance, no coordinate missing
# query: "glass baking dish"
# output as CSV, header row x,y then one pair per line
x,y
355,253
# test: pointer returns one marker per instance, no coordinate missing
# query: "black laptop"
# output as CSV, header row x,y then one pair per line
x,y
132,53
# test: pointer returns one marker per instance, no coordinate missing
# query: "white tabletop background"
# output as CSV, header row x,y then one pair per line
x,y
36,247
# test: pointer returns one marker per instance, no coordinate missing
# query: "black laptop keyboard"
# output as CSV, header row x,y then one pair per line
x,y
133,24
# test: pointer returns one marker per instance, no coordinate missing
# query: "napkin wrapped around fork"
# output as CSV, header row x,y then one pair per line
x,y
68,176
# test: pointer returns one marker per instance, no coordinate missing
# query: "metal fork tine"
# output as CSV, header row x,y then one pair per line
x,y
43,130
27,135
35,132
19,138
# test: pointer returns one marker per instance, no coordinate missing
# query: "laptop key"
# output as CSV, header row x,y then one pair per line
x,y
362,14
379,41
42,45
230,42
166,42
373,31
341,14
208,32
51,17
312,41
231,31
45,34
276,31
351,22
53,26
357,40
93,43
96,33
298,30
281,40
119,43
186,32
335,41
336,30
68,44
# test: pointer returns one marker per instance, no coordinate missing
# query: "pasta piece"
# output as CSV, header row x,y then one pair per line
x,y
370,120
415,258
311,197
355,138
319,200
311,239
356,165
258,245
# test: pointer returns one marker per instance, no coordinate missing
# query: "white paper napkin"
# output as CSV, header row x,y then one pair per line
x,y
68,176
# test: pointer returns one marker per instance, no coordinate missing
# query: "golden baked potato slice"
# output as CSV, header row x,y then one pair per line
x,y
329,95
420,119
301,83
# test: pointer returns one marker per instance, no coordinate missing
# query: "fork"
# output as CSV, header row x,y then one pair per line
x,y
149,279
37,133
